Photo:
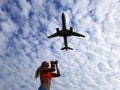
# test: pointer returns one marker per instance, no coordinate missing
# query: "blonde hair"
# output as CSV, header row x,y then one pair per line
x,y
37,73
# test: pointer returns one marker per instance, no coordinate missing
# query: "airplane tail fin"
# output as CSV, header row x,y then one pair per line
x,y
66,48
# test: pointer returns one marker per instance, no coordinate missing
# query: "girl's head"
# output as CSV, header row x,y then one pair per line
x,y
45,64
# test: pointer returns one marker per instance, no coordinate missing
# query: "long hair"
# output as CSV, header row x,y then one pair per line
x,y
37,73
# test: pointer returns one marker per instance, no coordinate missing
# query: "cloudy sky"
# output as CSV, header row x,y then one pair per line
x,y
94,64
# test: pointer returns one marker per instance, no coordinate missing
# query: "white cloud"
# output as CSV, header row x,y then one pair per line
x,y
94,63
2,2
8,27
26,7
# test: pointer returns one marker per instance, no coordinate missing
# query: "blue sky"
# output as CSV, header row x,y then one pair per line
x,y
94,64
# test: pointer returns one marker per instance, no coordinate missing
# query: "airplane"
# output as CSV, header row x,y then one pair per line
x,y
64,32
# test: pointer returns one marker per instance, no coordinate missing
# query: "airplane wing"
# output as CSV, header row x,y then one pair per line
x,y
53,35
76,34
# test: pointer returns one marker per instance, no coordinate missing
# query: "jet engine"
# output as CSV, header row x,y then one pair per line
x,y
57,29
71,29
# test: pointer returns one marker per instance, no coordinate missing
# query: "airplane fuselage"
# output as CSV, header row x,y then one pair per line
x,y
64,32
63,22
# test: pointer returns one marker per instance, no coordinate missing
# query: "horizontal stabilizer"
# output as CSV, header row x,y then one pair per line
x,y
66,48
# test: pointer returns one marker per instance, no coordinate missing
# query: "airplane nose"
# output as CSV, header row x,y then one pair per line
x,y
63,15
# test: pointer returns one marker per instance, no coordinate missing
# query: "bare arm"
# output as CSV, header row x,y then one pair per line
x,y
58,72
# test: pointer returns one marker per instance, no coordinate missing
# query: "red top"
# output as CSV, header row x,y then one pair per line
x,y
48,75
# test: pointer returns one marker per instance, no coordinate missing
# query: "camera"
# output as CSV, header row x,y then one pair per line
x,y
54,62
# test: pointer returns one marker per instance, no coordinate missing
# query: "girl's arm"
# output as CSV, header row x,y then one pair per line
x,y
58,72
